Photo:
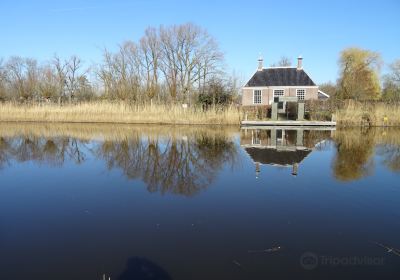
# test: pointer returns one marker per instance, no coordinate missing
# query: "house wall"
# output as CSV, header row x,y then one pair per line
x,y
268,92
247,96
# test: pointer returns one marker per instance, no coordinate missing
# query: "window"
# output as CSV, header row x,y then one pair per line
x,y
279,136
257,96
301,94
277,93
255,138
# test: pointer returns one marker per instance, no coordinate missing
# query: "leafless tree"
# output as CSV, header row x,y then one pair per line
x,y
48,84
283,62
61,74
150,50
22,75
121,73
73,66
3,89
176,62
189,56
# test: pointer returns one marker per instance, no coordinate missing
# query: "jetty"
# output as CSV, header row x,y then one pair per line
x,y
288,123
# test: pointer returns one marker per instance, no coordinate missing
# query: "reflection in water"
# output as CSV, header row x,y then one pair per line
x,y
168,161
185,160
180,165
52,151
355,149
70,222
391,155
281,146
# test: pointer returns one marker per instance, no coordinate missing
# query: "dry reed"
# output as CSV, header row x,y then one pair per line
x,y
368,114
350,114
107,112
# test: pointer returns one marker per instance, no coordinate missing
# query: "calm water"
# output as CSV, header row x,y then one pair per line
x,y
148,202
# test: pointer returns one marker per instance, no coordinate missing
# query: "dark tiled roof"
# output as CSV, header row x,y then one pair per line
x,y
280,77
272,156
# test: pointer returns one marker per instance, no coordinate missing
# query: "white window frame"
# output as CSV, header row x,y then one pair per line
x,y
304,94
280,94
254,96
255,138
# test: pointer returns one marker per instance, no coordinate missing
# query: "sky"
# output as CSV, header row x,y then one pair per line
x,y
316,30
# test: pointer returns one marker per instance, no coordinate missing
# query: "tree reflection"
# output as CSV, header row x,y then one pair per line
x,y
179,165
51,151
391,156
171,162
355,149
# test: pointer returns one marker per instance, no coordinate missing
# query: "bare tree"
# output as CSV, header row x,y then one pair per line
x,y
169,59
22,75
61,74
391,83
48,84
121,73
283,62
150,49
73,67
3,90
175,62
189,54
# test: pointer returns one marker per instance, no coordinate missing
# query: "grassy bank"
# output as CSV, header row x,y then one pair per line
x,y
368,114
107,112
349,114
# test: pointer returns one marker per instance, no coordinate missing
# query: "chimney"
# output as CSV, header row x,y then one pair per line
x,y
295,169
260,63
299,63
257,170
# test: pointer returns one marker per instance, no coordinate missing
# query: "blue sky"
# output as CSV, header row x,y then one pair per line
x,y
317,30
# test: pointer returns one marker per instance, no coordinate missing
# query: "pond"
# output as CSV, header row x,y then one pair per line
x,y
162,202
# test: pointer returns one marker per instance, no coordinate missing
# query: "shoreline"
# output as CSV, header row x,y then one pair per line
x,y
160,123
105,112
120,113
116,122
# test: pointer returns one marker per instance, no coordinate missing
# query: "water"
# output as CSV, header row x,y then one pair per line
x,y
149,202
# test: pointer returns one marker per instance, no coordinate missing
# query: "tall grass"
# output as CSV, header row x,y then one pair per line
x,y
350,113
368,114
108,112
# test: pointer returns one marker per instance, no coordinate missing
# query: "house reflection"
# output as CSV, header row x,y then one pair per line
x,y
281,146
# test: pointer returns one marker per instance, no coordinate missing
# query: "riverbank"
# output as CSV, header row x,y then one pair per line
x,y
107,112
349,114
367,114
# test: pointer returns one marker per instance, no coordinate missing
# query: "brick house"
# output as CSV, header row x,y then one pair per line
x,y
269,83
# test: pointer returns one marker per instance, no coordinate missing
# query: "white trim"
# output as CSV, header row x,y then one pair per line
x,y
323,93
280,89
254,90
305,92
273,94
